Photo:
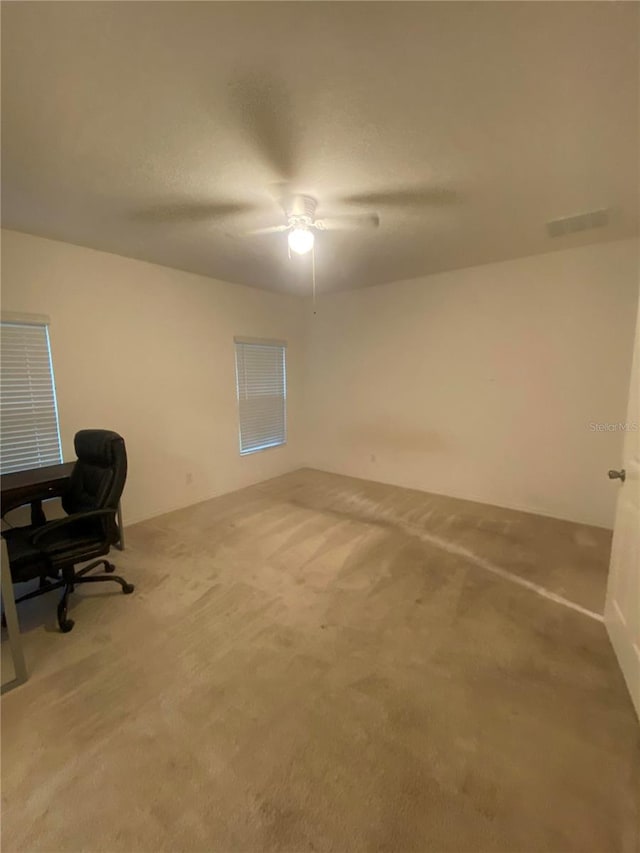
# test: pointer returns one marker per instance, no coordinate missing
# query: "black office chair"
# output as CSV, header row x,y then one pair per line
x,y
52,550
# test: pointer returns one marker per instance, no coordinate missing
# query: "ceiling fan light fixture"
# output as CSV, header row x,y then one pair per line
x,y
301,240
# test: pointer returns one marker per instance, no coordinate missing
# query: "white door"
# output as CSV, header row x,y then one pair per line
x,y
622,609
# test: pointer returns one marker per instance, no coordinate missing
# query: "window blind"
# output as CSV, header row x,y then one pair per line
x,y
261,384
29,436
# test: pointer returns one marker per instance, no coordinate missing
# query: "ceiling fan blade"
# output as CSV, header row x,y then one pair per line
x,y
348,222
271,229
191,211
264,110
405,197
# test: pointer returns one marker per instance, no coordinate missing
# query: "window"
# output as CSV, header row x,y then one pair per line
x,y
30,437
261,378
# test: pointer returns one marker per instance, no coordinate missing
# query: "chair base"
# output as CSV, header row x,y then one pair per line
x,y
68,584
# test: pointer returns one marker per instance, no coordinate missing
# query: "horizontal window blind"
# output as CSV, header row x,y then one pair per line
x,y
29,436
261,383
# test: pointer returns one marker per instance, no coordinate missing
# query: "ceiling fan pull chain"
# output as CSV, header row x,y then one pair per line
x,y
313,276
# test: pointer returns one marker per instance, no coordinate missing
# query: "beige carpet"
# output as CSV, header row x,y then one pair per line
x,y
319,663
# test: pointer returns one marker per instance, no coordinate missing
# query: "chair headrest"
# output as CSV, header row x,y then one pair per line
x,y
96,446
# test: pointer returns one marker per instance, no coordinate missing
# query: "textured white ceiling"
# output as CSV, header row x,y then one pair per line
x,y
163,131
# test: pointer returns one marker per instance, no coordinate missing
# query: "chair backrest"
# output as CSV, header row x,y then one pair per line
x,y
99,475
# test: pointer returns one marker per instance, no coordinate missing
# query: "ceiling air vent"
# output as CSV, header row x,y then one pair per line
x,y
581,222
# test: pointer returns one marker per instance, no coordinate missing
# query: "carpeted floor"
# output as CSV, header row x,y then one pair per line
x,y
321,663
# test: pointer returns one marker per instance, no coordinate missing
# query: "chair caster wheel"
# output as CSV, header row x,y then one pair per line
x,y
109,567
128,588
67,625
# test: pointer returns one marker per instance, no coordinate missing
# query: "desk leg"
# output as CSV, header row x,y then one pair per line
x,y
38,518
13,628
120,544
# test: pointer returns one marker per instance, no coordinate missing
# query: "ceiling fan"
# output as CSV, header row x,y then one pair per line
x,y
301,223
264,112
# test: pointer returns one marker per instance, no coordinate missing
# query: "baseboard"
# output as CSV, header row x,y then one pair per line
x,y
467,497
130,521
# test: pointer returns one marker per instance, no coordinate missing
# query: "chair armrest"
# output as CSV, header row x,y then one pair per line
x,y
38,538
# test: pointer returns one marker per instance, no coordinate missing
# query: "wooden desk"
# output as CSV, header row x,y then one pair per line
x,y
33,486
13,626
29,487
40,484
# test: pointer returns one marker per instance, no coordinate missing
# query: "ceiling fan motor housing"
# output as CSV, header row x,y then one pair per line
x,y
302,209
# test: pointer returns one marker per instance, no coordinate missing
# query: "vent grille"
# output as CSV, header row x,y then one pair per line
x,y
581,222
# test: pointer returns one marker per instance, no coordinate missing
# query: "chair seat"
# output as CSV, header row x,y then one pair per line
x,y
27,561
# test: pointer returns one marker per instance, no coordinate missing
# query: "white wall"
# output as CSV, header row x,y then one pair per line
x,y
481,383
148,351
